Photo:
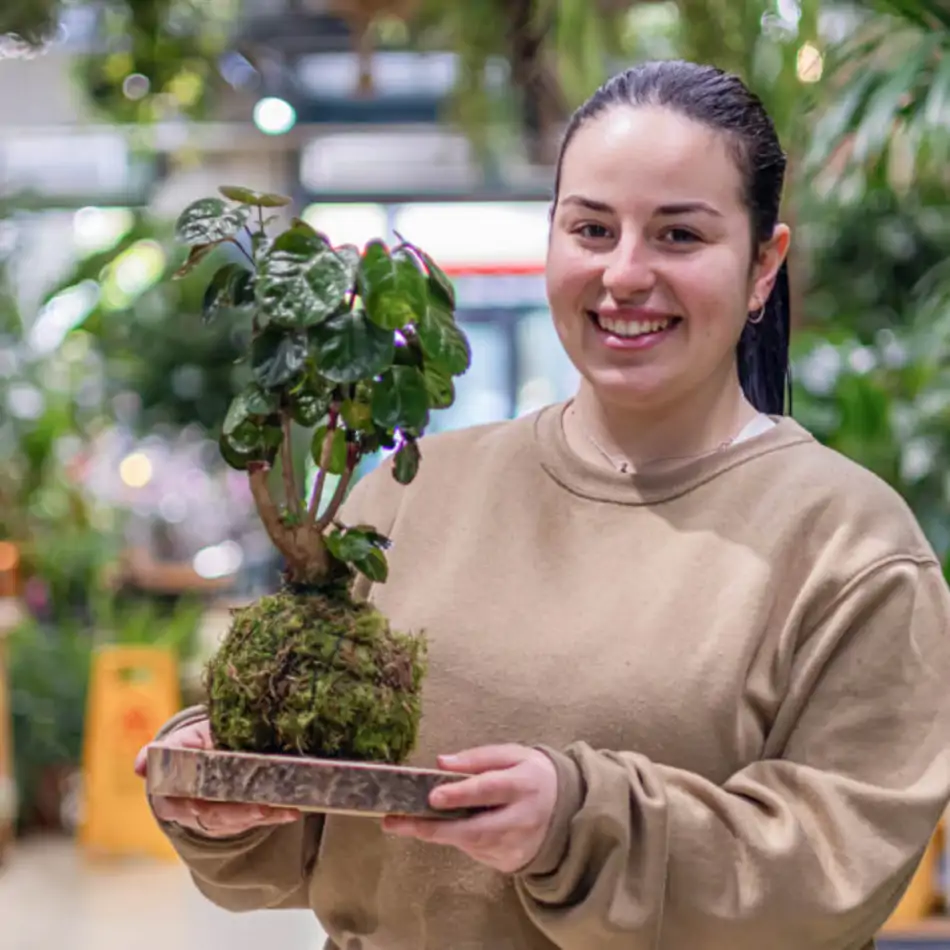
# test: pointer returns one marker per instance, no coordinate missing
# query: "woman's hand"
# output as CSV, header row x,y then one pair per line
x,y
518,784
210,819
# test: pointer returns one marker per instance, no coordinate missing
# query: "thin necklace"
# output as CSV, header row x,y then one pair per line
x,y
625,467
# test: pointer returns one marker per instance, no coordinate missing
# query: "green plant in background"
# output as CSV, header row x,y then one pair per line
x,y
29,23
360,347
48,672
887,111
137,319
872,367
874,257
49,666
160,60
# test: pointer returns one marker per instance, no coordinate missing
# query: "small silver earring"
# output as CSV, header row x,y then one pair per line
x,y
759,317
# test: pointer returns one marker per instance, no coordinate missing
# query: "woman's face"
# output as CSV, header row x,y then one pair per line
x,y
649,270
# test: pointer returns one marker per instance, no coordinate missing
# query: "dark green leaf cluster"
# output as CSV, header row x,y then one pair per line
x,y
361,346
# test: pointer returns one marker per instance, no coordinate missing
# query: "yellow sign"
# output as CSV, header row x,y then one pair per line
x,y
133,691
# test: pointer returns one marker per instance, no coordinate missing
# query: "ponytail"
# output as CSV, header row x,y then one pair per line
x,y
763,353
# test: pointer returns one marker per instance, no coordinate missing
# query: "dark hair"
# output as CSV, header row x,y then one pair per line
x,y
721,101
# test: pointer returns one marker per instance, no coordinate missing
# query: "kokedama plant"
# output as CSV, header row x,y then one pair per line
x,y
360,346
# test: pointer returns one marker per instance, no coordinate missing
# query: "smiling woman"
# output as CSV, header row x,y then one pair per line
x,y
691,663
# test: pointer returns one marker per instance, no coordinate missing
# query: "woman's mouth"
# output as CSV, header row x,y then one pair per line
x,y
632,334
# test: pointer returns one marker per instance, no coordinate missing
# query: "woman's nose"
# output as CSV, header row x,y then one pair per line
x,y
629,272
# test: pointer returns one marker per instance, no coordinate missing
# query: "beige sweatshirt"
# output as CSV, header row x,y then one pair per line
x,y
740,669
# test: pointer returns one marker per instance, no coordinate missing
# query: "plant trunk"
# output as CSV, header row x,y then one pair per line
x,y
308,560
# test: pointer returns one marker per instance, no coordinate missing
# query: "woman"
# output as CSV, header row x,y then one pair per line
x,y
695,660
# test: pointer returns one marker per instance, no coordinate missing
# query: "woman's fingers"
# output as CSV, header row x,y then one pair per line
x,y
194,735
220,818
212,819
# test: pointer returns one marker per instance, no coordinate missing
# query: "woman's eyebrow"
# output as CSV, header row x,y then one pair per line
x,y
587,203
688,207
667,210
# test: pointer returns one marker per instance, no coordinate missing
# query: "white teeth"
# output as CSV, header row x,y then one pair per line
x,y
632,327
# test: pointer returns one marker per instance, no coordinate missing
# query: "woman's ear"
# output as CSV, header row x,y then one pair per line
x,y
772,255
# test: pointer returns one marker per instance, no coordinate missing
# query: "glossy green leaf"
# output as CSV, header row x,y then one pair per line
x,y
400,399
357,415
231,286
355,544
348,347
440,387
277,357
252,405
406,463
335,461
308,408
438,281
391,285
376,539
209,221
302,280
260,403
250,443
445,345
349,254
374,566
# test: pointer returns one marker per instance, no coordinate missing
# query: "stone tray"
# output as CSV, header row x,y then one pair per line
x,y
319,785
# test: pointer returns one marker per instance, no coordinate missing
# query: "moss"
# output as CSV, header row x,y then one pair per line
x,y
316,675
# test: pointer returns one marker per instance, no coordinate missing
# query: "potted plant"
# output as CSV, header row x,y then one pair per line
x,y
361,346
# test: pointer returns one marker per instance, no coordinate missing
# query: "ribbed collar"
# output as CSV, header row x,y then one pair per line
x,y
601,484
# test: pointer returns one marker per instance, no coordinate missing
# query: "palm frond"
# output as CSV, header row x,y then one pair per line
x,y
887,100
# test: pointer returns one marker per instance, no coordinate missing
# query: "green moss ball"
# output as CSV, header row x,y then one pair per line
x,y
316,676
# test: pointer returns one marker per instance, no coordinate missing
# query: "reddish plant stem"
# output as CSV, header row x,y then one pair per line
x,y
340,493
333,417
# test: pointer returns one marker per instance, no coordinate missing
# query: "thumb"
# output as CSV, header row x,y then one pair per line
x,y
485,759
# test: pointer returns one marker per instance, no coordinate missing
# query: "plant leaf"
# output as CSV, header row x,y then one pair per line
x,y
440,387
228,288
302,280
336,462
209,221
197,254
354,544
376,539
308,408
348,348
438,281
443,342
253,198
357,415
392,286
250,443
400,399
277,358
374,566
406,463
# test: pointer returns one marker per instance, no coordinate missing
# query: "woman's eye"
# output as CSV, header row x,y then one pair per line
x,y
592,231
679,236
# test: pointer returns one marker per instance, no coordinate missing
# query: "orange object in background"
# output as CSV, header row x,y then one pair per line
x,y
132,692
9,569
922,899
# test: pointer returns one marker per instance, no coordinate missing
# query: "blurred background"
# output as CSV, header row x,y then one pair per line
x,y
120,526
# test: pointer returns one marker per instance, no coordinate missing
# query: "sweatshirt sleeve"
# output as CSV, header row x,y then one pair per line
x,y
264,868
813,845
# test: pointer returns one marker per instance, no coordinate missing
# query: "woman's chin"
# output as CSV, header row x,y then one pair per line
x,y
632,390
